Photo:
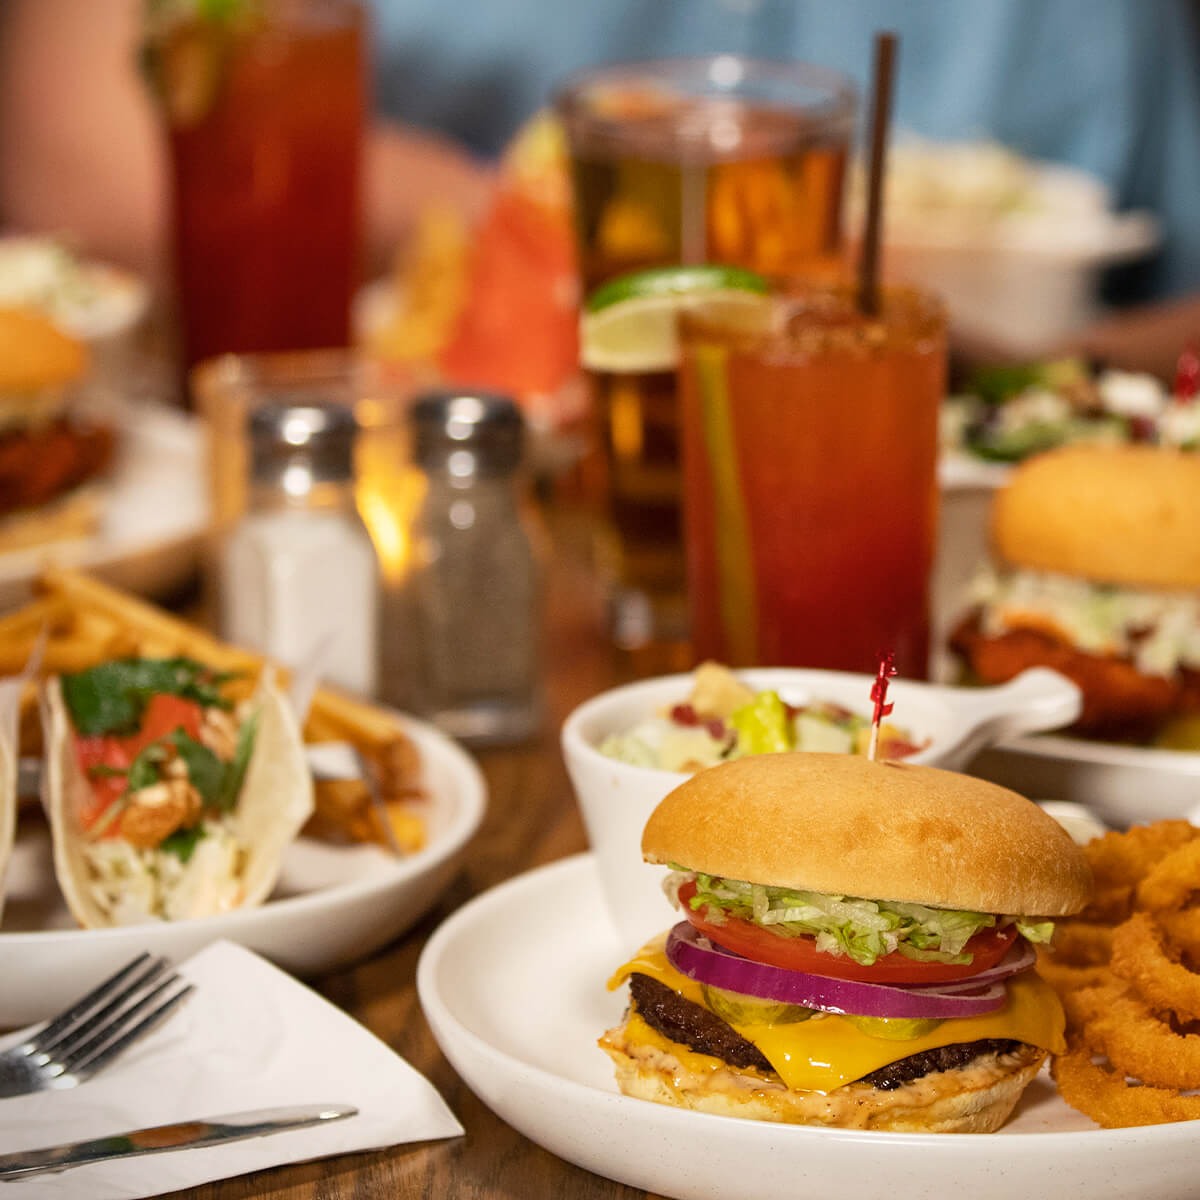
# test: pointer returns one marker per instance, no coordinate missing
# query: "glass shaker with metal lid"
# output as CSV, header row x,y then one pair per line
x,y
471,602
300,579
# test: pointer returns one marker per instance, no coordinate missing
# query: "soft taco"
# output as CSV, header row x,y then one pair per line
x,y
166,799
10,706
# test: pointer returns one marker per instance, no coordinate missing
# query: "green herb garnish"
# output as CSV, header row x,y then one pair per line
x,y
105,771
182,843
144,770
235,769
206,772
111,697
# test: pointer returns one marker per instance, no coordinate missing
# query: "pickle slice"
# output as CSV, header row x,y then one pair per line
x,y
893,1029
738,1009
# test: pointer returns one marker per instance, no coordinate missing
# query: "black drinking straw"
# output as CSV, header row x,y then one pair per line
x,y
881,109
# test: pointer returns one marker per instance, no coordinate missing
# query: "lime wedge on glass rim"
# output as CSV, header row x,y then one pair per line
x,y
629,323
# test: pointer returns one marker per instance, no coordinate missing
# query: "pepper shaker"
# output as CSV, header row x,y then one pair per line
x,y
470,606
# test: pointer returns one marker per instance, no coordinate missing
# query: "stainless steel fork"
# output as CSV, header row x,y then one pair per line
x,y
86,1037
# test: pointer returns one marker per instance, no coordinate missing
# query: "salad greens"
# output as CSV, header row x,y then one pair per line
x,y
864,930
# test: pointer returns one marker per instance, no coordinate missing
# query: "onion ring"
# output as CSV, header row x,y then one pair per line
x,y
1110,1101
1066,977
1170,882
1110,904
1138,1043
1123,858
1139,956
1181,931
1082,943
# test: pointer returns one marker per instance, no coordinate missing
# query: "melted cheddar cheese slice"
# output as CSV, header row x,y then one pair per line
x,y
827,1051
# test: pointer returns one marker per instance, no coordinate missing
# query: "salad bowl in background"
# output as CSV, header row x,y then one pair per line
x,y
949,724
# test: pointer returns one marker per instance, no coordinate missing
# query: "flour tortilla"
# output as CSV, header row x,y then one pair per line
x,y
275,801
10,714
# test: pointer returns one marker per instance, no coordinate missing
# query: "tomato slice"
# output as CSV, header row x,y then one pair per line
x,y
753,941
164,713
91,752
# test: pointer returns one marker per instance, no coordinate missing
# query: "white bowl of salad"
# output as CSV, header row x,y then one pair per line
x,y
626,748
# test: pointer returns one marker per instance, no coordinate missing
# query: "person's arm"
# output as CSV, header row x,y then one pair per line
x,y
81,152
1149,338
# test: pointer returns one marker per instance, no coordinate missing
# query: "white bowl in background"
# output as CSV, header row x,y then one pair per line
x,y
617,798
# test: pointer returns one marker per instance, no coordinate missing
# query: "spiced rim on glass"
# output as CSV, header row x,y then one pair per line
x,y
810,477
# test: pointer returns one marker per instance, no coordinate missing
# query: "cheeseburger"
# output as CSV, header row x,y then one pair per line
x,y
1097,575
854,950
47,449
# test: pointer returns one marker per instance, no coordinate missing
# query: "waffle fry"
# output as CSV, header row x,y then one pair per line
x,y
88,622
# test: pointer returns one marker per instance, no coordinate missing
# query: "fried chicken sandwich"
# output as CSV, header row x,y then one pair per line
x,y
1097,575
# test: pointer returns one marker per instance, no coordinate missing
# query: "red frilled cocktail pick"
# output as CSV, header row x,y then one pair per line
x,y
1187,374
887,669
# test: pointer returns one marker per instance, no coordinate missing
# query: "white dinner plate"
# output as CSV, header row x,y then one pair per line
x,y
1125,785
153,511
513,985
333,904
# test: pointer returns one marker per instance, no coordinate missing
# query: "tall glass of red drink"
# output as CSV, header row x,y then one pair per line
x,y
810,484
264,102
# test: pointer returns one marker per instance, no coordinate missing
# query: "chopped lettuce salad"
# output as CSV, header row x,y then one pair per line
x,y
863,930
1008,413
724,718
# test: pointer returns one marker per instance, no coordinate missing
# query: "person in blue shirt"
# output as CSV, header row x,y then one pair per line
x,y
1111,86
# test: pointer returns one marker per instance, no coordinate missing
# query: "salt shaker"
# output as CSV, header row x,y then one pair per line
x,y
470,606
300,579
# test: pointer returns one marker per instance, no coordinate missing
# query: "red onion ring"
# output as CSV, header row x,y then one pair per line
x,y
693,955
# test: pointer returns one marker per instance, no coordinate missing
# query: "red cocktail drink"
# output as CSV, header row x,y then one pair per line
x,y
810,484
265,109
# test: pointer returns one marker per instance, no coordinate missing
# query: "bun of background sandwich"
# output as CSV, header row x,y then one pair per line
x,y
1123,518
1124,515
47,454
846,826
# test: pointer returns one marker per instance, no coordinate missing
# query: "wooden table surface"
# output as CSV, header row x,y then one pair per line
x,y
531,819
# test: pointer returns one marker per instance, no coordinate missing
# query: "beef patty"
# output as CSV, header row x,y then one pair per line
x,y
704,1032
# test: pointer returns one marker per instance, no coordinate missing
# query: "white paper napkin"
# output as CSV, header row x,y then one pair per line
x,y
248,1037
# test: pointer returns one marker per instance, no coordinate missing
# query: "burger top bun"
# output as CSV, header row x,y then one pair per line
x,y
844,825
1124,515
35,354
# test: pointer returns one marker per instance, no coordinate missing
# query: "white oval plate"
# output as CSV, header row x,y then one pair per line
x,y
513,987
1125,785
333,904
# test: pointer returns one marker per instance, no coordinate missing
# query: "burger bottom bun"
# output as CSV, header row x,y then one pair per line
x,y
977,1098
1119,702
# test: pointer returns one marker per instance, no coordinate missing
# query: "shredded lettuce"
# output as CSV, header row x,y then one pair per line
x,y
863,930
1040,931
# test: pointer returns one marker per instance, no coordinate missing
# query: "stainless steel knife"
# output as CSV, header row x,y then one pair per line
x,y
184,1135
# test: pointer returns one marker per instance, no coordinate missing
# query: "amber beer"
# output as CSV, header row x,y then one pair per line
x,y
810,463
721,160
